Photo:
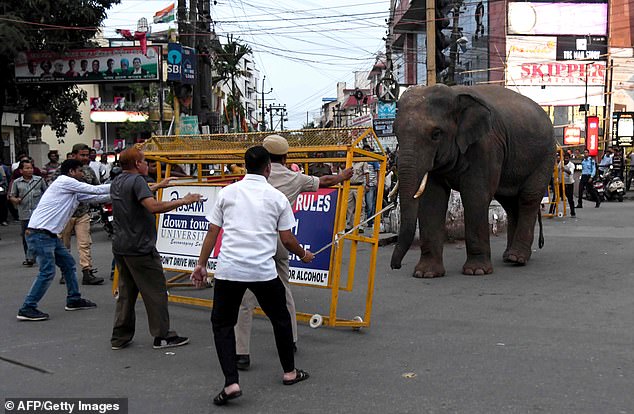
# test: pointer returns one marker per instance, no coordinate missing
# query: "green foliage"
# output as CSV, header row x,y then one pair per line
x,y
47,25
131,131
227,68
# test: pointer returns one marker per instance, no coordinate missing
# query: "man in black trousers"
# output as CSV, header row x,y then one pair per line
x,y
249,242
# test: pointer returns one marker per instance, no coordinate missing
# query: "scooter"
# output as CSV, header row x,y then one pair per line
x,y
614,185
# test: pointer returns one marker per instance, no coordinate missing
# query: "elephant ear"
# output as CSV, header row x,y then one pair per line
x,y
474,120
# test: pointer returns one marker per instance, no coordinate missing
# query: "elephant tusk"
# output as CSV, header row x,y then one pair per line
x,y
423,183
392,193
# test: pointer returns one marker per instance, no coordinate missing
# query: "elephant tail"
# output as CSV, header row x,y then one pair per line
x,y
541,230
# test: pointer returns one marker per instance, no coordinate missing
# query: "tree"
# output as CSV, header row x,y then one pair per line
x,y
227,67
47,25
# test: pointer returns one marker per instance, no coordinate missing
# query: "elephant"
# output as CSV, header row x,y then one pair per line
x,y
485,141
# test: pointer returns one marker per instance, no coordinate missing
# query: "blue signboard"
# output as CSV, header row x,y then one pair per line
x,y
174,59
315,221
387,110
188,65
181,63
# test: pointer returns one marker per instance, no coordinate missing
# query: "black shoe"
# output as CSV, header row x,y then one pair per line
x,y
578,206
299,376
597,205
171,342
62,281
80,304
90,278
223,397
123,345
243,362
31,315
28,263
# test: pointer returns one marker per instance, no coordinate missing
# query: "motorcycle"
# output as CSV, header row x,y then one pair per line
x,y
105,210
598,185
614,185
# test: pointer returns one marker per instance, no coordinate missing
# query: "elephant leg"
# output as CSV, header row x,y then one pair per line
x,y
432,215
476,222
520,249
510,206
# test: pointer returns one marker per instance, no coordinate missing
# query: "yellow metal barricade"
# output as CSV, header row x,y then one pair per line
x,y
341,145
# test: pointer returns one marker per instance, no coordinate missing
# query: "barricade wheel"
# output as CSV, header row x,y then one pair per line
x,y
315,321
116,294
357,319
560,214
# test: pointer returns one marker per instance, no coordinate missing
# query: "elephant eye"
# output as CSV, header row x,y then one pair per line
x,y
436,134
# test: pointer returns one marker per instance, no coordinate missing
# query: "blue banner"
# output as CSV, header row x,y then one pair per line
x,y
315,215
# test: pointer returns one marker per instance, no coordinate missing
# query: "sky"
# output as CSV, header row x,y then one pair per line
x,y
304,47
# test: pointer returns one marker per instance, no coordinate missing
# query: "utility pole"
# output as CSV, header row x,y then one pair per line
x,y
280,110
430,20
202,41
263,126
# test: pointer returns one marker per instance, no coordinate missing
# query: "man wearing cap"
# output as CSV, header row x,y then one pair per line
x,y
291,184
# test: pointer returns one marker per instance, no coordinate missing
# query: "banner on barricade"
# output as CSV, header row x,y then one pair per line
x,y
181,232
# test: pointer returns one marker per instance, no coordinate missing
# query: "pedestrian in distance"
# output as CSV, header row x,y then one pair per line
x,y
49,218
291,184
247,263
26,192
568,167
134,249
588,171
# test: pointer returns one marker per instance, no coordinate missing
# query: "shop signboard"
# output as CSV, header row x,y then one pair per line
x,y
592,135
582,48
572,135
624,128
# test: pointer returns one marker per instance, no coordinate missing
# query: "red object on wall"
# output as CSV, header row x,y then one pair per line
x,y
592,135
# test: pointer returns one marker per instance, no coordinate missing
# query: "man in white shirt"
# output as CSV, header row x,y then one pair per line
x,y
249,242
49,218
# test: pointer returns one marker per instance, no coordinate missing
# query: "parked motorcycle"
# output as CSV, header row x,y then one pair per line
x,y
614,185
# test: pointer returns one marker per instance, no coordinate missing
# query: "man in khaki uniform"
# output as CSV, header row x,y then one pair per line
x,y
80,221
291,184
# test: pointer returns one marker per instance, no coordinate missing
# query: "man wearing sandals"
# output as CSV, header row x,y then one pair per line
x,y
249,242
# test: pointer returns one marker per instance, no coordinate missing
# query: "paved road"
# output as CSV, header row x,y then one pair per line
x,y
555,336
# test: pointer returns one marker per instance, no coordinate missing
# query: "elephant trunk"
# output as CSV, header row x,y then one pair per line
x,y
408,190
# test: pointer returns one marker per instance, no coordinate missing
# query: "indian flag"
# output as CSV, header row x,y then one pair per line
x,y
165,15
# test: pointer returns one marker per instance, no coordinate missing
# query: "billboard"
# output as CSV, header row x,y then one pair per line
x,y
533,18
534,70
113,64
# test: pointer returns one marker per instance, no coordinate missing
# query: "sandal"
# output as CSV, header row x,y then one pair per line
x,y
299,376
223,397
